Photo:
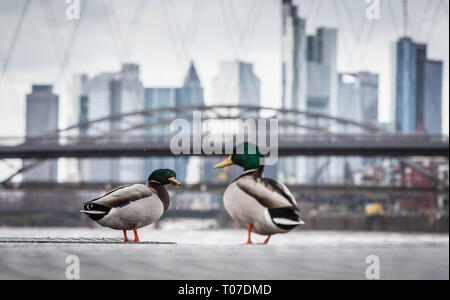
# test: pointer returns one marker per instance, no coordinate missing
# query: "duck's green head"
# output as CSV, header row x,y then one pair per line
x,y
164,176
245,155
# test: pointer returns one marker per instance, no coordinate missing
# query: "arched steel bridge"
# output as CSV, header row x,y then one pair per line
x,y
144,134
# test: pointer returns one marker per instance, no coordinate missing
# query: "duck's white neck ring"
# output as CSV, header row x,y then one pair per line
x,y
251,171
154,181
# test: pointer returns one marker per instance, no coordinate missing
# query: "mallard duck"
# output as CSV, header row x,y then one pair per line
x,y
263,205
133,206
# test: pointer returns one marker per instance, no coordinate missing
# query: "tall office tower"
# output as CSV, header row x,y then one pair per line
x,y
369,95
368,86
71,116
294,79
349,100
190,94
128,96
349,106
294,47
405,96
358,98
42,114
433,97
235,84
418,87
159,98
322,72
105,95
322,91
357,101
421,58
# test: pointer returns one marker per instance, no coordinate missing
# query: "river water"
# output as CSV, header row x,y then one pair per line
x,y
173,253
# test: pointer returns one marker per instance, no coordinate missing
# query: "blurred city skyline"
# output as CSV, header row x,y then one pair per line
x,y
166,35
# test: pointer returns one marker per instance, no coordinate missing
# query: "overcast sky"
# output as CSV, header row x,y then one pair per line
x,y
206,31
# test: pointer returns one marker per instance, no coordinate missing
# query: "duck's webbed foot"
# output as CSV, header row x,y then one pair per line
x,y
267,240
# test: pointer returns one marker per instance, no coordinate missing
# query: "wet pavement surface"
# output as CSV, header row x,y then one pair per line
x,y
217,254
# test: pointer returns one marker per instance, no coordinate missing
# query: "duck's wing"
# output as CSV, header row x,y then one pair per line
x,y
123,195
269,192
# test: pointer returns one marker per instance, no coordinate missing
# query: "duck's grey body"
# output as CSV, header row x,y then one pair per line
x,y
141,213
130,206
261,202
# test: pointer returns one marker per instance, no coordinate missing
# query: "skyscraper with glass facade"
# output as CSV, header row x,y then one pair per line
x,y
309,82
294,79
190,94
102,96
322,93
42,116
159,98
234,84
418,89
357,101
432,108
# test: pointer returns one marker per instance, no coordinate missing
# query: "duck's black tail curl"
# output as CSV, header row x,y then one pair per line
x,y
95,211
285,218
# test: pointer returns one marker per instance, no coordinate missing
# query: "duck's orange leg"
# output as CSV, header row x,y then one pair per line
x,y
136,237
268,239
249,240
125,237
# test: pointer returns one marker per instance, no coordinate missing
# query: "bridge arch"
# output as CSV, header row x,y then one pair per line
x,y
288,119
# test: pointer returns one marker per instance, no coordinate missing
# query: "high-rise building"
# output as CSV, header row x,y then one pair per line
x,y
432,107
74,112
369,95
418,89
294,79
42,116
421,58
357,101
322,88
236,84
358,97
322,94
105,95
406,86
159,98
349,107
309,83
368,87
294,56
349,99
190,94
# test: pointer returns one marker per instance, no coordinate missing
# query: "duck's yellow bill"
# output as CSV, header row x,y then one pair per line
x,y
174,181
227,162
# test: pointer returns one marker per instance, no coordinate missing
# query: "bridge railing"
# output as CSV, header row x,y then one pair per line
x,y
166,138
